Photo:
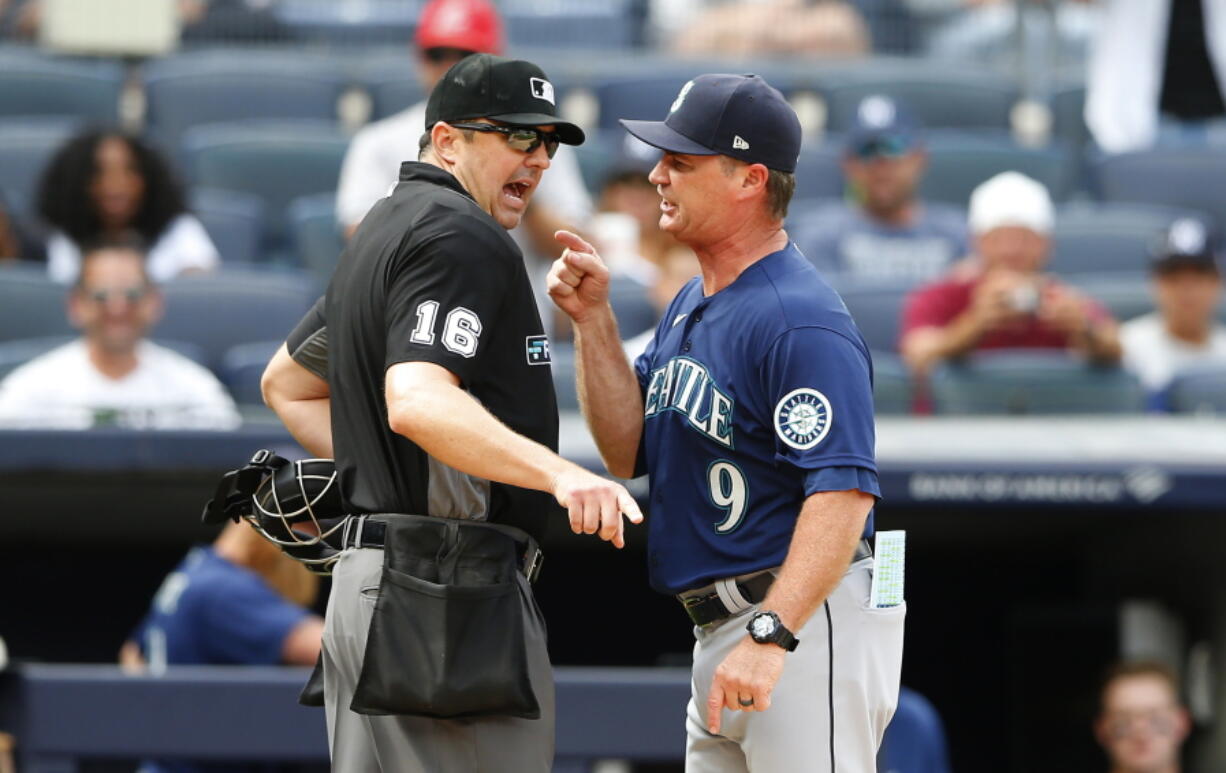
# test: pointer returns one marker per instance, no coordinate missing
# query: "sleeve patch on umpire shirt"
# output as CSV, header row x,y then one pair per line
x,y
538,350
802,418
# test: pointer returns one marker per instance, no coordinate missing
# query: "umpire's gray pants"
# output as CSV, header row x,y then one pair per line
x,y
399,744
830,707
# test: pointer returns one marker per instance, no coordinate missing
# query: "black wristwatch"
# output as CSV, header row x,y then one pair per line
x,y
767,628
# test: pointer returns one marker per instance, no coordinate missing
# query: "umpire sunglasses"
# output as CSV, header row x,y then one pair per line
x,y
523,138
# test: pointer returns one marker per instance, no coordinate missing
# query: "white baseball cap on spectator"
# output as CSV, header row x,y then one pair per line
x,y
1011,198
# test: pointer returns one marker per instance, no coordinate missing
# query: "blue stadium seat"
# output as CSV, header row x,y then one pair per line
x,y
1068,103
26,145
14,354
819,172
1032,382
941,96
318,240
233,219
33,84
1126,296
31,305
215,86
915,738
892,387
631,307
276,161
580,24
1199,389
217,312
1188,179
1106,238
960,161
242,366
369,22
392,85
876,308
563,369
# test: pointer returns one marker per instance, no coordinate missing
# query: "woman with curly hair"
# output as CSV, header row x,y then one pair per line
x,y
103,183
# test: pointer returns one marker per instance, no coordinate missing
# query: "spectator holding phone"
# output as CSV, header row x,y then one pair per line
x,y
1003,299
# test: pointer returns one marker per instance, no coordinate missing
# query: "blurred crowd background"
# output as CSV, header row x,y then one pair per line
x,y
1020,201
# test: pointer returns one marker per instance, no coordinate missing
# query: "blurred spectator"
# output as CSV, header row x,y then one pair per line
x,y
1157,74
743,28
1005,300
1004,31
1187,288
626,226
201,20
112,375
448,31
103,183
678,268
240,601
888,232
1141,724
16,242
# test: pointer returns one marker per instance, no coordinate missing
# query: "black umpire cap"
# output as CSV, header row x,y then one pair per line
x,y
510,91
740,116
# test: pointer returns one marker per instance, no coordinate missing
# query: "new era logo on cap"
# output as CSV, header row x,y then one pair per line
x,y
739,144
542,89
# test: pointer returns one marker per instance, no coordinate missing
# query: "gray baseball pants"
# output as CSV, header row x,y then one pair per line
x,y
830,707
362,743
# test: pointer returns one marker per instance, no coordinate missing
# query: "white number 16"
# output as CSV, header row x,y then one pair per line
x,y
461,330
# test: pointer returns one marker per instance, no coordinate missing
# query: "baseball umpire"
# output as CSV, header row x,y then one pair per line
x,y
752,411
425,372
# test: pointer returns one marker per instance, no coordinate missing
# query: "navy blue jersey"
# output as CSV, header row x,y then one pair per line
x,y
754,398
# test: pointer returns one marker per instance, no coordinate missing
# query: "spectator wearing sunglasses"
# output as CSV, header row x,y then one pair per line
x,y
112,375
883,231
1141,724
448,31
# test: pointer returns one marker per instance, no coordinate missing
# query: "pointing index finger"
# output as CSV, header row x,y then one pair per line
x,y
573,241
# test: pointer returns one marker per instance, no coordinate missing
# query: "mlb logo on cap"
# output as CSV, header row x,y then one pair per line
x,y
542,89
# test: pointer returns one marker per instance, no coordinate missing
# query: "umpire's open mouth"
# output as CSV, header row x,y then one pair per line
x,y
518,191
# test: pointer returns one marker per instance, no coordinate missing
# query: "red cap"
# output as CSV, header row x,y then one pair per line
x,y
473,25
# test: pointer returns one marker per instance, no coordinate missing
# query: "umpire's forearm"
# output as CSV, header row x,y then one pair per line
x,y
608,392
829,526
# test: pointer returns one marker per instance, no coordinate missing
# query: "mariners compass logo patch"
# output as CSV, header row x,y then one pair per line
x,y
802,418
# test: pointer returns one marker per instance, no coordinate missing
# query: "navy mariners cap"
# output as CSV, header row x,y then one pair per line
x,y
512,91
739,116
1187,243
884,126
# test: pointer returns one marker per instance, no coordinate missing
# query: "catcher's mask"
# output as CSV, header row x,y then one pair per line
x,y
273,494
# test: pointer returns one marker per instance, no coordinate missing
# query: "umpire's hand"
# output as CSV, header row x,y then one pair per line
x,y
579,280
595,504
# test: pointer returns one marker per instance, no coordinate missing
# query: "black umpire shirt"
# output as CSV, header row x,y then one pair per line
x,y
430,277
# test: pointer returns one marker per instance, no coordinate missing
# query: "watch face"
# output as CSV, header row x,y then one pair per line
x,y
762,626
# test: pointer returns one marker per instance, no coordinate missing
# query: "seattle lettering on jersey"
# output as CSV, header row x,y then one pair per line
x,y
685,385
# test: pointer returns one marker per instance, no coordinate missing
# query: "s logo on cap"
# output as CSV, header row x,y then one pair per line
x,y
681,97
542,89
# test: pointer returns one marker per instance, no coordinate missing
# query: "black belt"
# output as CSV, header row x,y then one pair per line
x,y
362,531
708,608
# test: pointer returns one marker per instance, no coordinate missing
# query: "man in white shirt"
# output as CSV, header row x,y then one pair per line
x,y
1187,287
448,31
112,375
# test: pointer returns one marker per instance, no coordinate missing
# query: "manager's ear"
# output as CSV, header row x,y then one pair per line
x,y
753,179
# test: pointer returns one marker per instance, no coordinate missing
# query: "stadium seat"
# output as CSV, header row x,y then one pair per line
x,y
1068,103
631,307
26,145
1126,296
242,366
233,219
391,82
640,96
563,369
960,161
892,387
317,237
1032,382
940,96
1199,389
31,305
914,740
14,354
1106,238
32,84
364,23
215,86
1188,179
579,24
276,161
819,172
219,311
876,308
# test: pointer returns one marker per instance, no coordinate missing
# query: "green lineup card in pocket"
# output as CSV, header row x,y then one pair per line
x,y
889,567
